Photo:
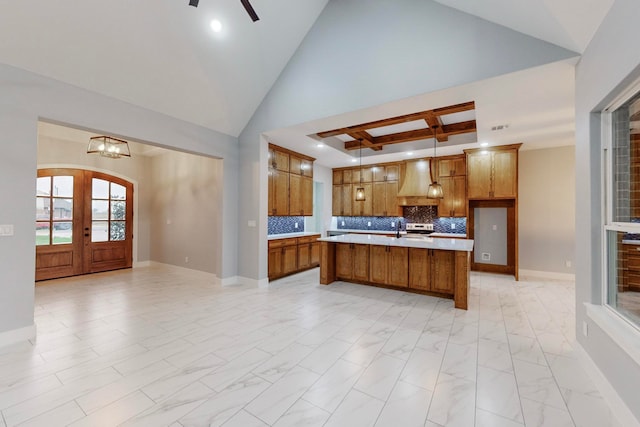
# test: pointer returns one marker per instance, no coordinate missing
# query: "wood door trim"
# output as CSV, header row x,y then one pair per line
x,y
512,235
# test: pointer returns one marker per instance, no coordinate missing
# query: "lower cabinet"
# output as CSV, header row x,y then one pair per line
x,y
291,255
389,265
432,270
352,262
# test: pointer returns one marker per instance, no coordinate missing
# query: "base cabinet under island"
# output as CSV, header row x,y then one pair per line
x,y
431,265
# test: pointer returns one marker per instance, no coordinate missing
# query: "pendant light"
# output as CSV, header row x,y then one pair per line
x,y
108,146
435,189
360,197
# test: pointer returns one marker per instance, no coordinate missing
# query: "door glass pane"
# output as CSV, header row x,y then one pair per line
x,y
99,189
62,233
118,191
623,284
42,208
43,186
99,209
117,230
63,186
99,231
42,233
118,210
62,208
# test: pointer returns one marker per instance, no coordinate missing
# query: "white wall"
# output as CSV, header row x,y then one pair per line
x,y
546,209
26,97
610,62
363,53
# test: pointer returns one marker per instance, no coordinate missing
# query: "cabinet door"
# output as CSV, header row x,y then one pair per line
x,y
289,259
347,200
347,176
391,173
459,196
419,269
379,204
295,194
275,263
337,177
391,198
304,256
479,175
504,175
363,208
455,166
379,264
445,205
306,196
280,193
344,261
442,271
315,253
377,173
361,262
398,266
336,200
295,164
364,172
445,168
280,161
306,168
271,193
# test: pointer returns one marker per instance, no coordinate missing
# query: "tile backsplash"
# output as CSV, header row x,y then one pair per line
x,y
285,224
423,214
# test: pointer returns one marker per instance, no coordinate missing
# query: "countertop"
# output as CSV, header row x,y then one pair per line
x,y
409,242
402,233
289,235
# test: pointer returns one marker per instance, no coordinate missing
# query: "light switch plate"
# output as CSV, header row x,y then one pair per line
x,y
251,223
6,230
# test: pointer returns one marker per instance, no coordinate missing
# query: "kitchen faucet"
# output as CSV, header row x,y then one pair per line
x,y
398,229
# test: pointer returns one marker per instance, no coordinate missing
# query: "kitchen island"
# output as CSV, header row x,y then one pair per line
x,y
434,266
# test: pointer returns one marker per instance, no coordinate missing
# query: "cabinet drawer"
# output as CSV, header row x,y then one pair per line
x,y
308,239
278,243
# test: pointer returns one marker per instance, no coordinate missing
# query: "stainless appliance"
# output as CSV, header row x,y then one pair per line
x,y
419,229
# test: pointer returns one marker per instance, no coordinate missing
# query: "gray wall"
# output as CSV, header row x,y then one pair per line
x,y
26,97
363,53
490,235
546,209
185,219
611,61
58,152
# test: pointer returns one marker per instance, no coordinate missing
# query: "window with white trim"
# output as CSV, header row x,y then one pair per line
x,y
621,140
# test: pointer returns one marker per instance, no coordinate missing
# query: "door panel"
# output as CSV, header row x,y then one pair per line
x,y
83,223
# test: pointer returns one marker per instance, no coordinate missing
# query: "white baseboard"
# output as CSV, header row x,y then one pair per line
x,y
194,273
17,335
546,275
139,264
621,411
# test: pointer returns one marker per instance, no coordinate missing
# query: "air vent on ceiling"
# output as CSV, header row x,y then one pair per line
x,y
499,127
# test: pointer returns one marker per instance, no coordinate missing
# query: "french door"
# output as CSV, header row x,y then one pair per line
x,y
84,223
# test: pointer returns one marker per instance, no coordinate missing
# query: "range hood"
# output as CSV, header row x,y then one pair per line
x,y
414,186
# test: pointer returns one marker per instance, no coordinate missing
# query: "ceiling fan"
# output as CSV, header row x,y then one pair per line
x,y
247,6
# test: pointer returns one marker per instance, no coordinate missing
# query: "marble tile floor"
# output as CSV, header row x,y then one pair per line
x,y
157,346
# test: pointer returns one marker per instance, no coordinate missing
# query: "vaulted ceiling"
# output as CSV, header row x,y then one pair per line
x,y
163,55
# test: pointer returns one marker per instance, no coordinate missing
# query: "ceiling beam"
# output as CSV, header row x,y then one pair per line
x,y
415,135
466,106
433,121
366,138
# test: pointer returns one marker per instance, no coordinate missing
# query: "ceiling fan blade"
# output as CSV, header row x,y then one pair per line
x,y
250,11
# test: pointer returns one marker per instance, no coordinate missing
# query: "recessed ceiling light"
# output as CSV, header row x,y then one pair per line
x,y
409,153
484,144
320,145
216,26
354,160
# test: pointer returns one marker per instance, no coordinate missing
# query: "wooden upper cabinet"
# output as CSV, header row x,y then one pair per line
x,y
290,183
365,172
385,198
365,207
337,177
347,176
385,173
381,191
336,198
452,166
493,174
454,202
347,200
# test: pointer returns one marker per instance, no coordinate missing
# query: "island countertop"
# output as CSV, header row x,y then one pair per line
x,y
407,242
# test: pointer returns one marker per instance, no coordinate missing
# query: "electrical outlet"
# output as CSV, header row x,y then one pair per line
x,y
453,226
6,230
186,260
251,223
343,223
567,264
295,225
368,223
393,224
486,256
495,227
585,329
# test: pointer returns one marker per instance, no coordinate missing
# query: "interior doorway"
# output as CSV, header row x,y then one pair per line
x,y
492,224
84,223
